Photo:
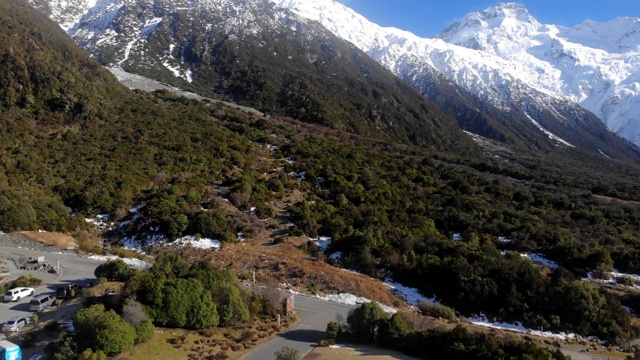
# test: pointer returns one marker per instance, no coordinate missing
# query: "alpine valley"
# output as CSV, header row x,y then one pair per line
x,y
313,141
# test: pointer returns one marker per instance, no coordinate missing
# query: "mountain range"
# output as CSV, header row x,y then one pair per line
x,y
273,55
509,59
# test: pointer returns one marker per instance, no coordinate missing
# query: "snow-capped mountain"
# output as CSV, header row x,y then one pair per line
x,y
594,64
508,58
475,76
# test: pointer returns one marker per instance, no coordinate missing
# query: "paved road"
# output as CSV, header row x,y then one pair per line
x,y
307,332
73,268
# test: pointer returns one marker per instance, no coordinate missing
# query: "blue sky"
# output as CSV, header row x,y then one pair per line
x,y
427,18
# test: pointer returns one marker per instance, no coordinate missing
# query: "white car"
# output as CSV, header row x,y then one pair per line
x,y
18,293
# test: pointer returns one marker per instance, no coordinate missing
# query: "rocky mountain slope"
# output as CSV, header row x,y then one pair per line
x,y
258,55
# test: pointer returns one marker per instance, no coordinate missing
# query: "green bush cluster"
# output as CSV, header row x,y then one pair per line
x,y
194,296
437,311
101,330
113,270
368,323
22,281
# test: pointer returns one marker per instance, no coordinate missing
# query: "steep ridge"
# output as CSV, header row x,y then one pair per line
x,y
490,80
257,55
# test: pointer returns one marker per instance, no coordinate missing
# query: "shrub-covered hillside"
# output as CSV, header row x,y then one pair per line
x,y
391,209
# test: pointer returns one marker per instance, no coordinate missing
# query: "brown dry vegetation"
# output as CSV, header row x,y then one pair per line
x,y
60,240
286,264
215,343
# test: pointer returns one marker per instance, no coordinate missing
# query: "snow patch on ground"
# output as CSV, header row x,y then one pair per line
x,y
350,299
537,258
149,26
616,274
336,256
323,242
613,278
408,294
628,309
134,263
549,134
517,327
134,243
100,221
298,176
202,243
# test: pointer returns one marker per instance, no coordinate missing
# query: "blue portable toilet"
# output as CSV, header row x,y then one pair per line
x,y
10,351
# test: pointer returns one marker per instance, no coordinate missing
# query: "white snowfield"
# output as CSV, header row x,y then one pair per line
x,y
198,243
517,327
134,263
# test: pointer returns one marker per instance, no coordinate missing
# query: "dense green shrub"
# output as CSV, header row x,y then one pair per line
x,y
369,324
114,270
364,320
181,303
437,310
333,330
195,296
144,331
102,330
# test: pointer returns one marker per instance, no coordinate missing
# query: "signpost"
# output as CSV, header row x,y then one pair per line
x,y
288,305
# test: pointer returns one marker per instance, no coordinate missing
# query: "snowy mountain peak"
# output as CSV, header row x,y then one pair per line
x,y
507,10
345,23
501,29
616,36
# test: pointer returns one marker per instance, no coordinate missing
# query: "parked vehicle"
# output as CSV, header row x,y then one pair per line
x,y
18,293
16,324
67,291
41,302
10,351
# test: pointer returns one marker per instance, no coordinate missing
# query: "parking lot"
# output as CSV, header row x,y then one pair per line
x,y
70,269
